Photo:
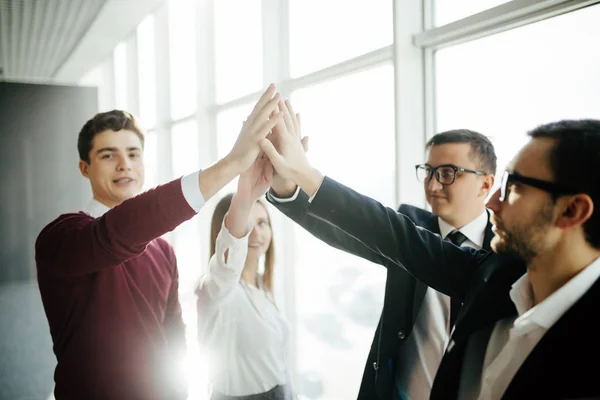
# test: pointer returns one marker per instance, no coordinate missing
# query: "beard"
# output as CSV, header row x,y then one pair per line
x,y
525,241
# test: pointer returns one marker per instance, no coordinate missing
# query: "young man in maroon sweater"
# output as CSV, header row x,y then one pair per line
x,y
108,280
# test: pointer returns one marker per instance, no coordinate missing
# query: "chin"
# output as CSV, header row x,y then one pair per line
x,y
495,244
255,251
441,211
126,195
500,246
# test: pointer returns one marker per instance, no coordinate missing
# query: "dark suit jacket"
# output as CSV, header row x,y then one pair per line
x,y
403,299
560,366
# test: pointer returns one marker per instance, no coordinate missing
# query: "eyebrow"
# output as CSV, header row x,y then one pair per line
x,y
114,149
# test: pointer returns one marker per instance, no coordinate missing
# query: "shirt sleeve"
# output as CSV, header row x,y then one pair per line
x,y
283,200
294,196
225,266
191,191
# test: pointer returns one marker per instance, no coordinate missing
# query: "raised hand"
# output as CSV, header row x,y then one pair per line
x,y
281,186
255,128
255,181
284,147
252,185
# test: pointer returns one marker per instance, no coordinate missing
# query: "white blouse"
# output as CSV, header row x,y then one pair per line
x,y
244,334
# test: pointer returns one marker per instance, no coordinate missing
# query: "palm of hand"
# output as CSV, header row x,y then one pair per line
x,y
257,179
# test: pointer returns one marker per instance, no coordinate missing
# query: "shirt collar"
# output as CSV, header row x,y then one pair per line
x,y
474,230
547,312
95,209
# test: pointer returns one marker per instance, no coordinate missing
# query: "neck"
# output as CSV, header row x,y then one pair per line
x,y
250,271
550,272
108,204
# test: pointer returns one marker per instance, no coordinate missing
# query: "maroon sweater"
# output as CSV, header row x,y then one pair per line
x,y
109,289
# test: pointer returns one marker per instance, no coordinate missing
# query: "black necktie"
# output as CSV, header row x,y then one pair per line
x,y
457,238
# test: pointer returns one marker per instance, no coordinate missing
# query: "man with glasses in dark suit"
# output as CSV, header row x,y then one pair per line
x,y
416,321
527,327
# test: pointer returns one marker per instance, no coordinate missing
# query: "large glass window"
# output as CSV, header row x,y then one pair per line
x,y
229,125
147,72
120,62
350,122
182,49
185,145
446,11
323,33
238,48
150,160
506,84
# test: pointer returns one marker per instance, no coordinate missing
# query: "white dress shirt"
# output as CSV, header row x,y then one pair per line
x,y
513,339
421,354
244,333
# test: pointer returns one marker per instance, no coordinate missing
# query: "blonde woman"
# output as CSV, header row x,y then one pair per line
x,y
246,336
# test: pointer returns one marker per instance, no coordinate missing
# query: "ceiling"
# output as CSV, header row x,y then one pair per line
x,y
61,40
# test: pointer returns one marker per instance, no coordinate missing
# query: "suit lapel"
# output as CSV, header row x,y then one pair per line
x,y
431,224
490,302
488,235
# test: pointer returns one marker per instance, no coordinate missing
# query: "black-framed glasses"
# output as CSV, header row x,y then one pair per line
x,y
445,174
546,186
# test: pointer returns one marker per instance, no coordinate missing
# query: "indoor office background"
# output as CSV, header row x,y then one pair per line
x,y
372,79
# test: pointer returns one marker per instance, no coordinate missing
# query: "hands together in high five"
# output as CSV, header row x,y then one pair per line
x,y
280,158
272,153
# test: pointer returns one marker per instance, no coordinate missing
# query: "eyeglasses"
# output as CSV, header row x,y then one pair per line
x,y
445,174
546,186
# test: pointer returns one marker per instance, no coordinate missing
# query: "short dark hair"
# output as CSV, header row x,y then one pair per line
x,y
114,120
575,161
482,148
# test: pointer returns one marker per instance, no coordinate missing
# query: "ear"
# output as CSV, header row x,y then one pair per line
x,y
83,168
487,184
578,210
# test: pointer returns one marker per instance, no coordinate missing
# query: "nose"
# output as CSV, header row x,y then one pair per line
x,y
433,184
254,232
124,163
494,202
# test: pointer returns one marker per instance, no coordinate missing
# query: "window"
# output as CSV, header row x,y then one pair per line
x,y
229,125
238,48
120,61
187,242
447,11
506,84
323,33
182,49
350,122
151,160
147,72
185,147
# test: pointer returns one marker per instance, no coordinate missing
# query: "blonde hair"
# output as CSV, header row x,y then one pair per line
x,y
215,227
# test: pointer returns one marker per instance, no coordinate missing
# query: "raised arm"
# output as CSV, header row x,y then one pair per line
x,y
286,196
77,244
226,265
391,236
